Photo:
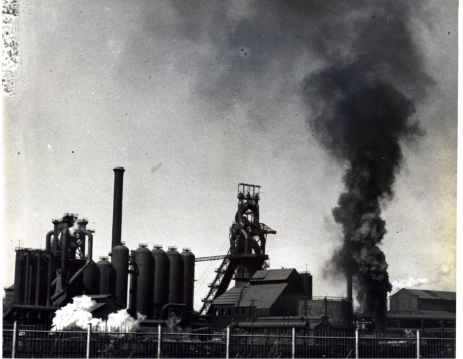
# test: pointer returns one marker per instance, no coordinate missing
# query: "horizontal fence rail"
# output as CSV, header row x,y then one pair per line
x,y
23,341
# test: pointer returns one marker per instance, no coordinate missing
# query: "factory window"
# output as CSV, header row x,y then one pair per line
x,y
229,311
223,311
410,304
216,312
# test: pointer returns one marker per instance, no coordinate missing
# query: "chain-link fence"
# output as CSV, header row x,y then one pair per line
x,y
21,341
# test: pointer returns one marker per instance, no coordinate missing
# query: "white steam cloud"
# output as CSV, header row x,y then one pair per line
x,y
78,314
73,229
407,283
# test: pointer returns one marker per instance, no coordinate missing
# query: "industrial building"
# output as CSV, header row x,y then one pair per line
x,y
151,282
272,292
415,308
160,284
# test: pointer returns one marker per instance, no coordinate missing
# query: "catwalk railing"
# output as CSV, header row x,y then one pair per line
x,y
20,341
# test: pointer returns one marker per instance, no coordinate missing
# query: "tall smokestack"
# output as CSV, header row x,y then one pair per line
x,y
349,286
117,209
350,301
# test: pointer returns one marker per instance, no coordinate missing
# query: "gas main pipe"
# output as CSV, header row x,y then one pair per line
x,y
64,254
48,240
55,242
54,232
81,270
50,257
37,280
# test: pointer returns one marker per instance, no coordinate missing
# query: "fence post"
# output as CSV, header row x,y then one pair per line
x,y
294,343
159,340
227,350
418,344
15,339
89,336
356,343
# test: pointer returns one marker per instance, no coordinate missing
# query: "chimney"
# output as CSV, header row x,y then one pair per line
x,y
117,206
349,286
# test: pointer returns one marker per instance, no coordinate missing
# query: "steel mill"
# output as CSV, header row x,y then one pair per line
x,y
159,284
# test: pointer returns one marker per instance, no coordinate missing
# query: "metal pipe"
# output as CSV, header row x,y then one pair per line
x,y
64,254
418,344
81,270
18,276
89,335
55,241
50,258
293,332
37,281
159,340
31,270
117,205
26,294
15,338
133,283
356,343
227,352
48,240
82,225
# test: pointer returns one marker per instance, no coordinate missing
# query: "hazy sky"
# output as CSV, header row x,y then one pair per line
x,y
194,97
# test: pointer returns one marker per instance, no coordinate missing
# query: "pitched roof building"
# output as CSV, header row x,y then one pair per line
x,y
415,300
415,308
269,293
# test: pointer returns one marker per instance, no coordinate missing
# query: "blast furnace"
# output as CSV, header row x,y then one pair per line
x,y
46,280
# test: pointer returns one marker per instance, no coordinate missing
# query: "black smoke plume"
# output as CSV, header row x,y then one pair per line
x,y
361,119
362,73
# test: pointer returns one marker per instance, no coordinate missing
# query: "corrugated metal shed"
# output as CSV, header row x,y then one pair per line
x,y
431,294
262,296
231,296
272,275
259,296
265,288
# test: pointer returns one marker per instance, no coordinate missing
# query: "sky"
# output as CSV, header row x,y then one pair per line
x,y
192,98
